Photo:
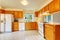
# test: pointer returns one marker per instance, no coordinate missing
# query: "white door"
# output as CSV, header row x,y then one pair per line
x,y
22,26
2,22
8,22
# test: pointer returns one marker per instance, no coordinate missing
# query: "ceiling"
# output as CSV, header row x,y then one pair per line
x,y
15,4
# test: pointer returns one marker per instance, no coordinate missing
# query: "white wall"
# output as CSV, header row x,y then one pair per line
x,y
56,17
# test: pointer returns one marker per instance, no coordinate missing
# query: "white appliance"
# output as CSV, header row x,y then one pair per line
x,y
2,22
6,22
21,26
41,29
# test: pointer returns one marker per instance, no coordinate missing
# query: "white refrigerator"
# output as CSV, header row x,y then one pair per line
x,y
5,22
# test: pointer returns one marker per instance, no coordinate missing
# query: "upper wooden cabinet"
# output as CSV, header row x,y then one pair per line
x,y
36,14
59,5
42,10
18,14
0,10
15,14
54,6
51,6
8,12
46,8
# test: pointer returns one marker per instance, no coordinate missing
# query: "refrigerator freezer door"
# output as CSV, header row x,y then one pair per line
x,y
2,28
8,23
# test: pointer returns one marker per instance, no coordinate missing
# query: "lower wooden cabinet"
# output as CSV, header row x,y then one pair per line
x,y
15,26
31,26
28,26
52,32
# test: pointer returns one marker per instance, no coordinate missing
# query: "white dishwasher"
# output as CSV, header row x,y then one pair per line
x,y
21,26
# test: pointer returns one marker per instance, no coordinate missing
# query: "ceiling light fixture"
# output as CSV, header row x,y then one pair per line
x,y
24,2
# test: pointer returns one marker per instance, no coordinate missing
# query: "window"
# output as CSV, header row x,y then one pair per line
x,y
28,17
47,18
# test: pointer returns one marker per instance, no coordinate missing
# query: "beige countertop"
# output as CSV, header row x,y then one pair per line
x,y
53,23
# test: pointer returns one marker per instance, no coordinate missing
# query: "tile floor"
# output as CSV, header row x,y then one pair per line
x,y
21,35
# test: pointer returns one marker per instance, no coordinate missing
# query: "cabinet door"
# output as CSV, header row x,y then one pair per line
x,y
31,26
56,4
15,26
49,32
0,11
51,6
46,8
57,32
8,23
28,26
20,14
36,14
15,14
34,26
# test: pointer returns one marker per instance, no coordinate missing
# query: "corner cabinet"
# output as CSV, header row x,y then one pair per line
x,y
52,32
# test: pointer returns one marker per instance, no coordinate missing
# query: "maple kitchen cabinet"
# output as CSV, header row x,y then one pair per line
x,y
28,26
15,14
18,14
54,6
31,26
49,32
52,31
0,10
15,26
34,25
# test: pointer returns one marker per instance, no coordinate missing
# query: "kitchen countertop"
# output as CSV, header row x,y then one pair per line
x,y
53,23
